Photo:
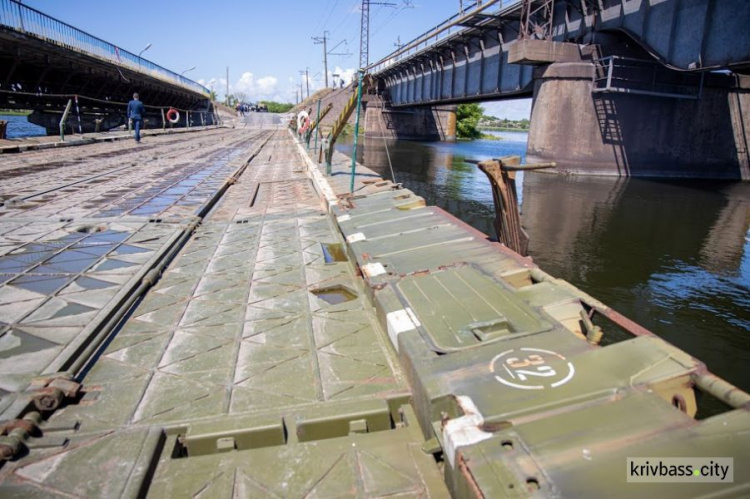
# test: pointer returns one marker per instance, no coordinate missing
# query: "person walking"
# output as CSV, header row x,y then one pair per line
x,y
135,115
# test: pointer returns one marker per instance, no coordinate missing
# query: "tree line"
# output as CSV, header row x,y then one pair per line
x,y
471,120
241,97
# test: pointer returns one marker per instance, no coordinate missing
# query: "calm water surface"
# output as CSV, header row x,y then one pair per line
x,y
674,256
19,127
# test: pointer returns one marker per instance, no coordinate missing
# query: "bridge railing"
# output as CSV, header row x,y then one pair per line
x,y
444,30
31,22
616,74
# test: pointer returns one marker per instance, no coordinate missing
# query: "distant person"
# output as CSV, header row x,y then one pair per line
x,y
135,115
341,84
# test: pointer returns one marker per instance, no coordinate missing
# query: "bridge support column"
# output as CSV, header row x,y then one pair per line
x,y
416,123
626,134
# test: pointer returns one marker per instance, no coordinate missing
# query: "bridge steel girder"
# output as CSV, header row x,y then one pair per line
x,y
687,35
48,75
472,68
681,34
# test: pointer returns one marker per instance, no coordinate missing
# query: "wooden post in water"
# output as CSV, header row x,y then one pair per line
x,y
502,175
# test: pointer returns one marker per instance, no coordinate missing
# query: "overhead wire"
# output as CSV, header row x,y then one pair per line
x,y
330,13
387,21
320,19
349,13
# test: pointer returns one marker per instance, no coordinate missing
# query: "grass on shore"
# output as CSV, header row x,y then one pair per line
x,y
503,129
14,112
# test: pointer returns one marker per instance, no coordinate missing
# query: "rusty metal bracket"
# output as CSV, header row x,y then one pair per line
x,y
18,431
48,393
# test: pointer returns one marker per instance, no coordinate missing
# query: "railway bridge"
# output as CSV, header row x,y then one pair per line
x,y
50,66
619,87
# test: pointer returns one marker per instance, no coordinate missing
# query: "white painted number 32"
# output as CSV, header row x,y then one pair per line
x,y
531,368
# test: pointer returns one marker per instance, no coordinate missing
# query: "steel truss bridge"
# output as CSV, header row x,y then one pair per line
x,y
45,64
471,56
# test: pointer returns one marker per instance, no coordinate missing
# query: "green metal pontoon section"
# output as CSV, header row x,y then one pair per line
x,y
295,340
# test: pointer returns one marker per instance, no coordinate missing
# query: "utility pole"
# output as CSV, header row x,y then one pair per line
x,y
364,33
226,97
307,80
318,40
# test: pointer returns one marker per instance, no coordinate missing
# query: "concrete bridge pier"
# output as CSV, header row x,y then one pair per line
x,y
630,132
413,123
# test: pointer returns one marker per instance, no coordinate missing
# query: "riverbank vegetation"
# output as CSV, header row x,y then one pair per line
x,y
272,106
503,125
277,107
14,112
467,121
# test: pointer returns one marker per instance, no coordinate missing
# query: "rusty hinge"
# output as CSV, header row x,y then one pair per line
x,y
48,393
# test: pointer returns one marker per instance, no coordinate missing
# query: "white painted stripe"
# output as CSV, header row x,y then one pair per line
x,y
399,322
317,176
355,238
373,269
463,431
344,218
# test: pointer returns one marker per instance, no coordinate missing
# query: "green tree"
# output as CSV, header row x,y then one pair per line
x,y
467,120
277,107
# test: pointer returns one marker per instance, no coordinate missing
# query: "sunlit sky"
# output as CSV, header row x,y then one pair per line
x,y
264,43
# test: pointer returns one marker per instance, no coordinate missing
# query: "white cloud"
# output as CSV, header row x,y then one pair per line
x,y
347,75
264,88
256,89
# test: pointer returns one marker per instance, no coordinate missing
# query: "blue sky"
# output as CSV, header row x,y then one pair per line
x,y
264,43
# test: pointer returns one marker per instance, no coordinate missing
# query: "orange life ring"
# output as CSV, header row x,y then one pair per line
x,y
302,119
305,125
173,115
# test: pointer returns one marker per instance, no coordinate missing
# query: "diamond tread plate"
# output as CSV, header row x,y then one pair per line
x,y
58,286
178,182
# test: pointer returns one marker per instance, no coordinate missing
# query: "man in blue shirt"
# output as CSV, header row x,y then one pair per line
x,y
135,115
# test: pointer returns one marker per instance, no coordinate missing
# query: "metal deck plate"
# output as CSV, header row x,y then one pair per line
x,y
258,366
462,308
574,454
60,281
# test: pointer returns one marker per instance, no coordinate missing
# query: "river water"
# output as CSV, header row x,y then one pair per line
x,y
19,127
673,256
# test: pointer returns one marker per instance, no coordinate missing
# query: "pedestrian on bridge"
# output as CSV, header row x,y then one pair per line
x,y
135,115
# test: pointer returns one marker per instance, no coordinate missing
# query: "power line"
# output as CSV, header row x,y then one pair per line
x,y
349,13
330,13
324,9
390,18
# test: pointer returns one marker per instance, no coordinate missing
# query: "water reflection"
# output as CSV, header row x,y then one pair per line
x,y
438,171
672,255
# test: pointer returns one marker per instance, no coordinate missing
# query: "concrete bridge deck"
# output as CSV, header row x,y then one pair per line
x,y
241,325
